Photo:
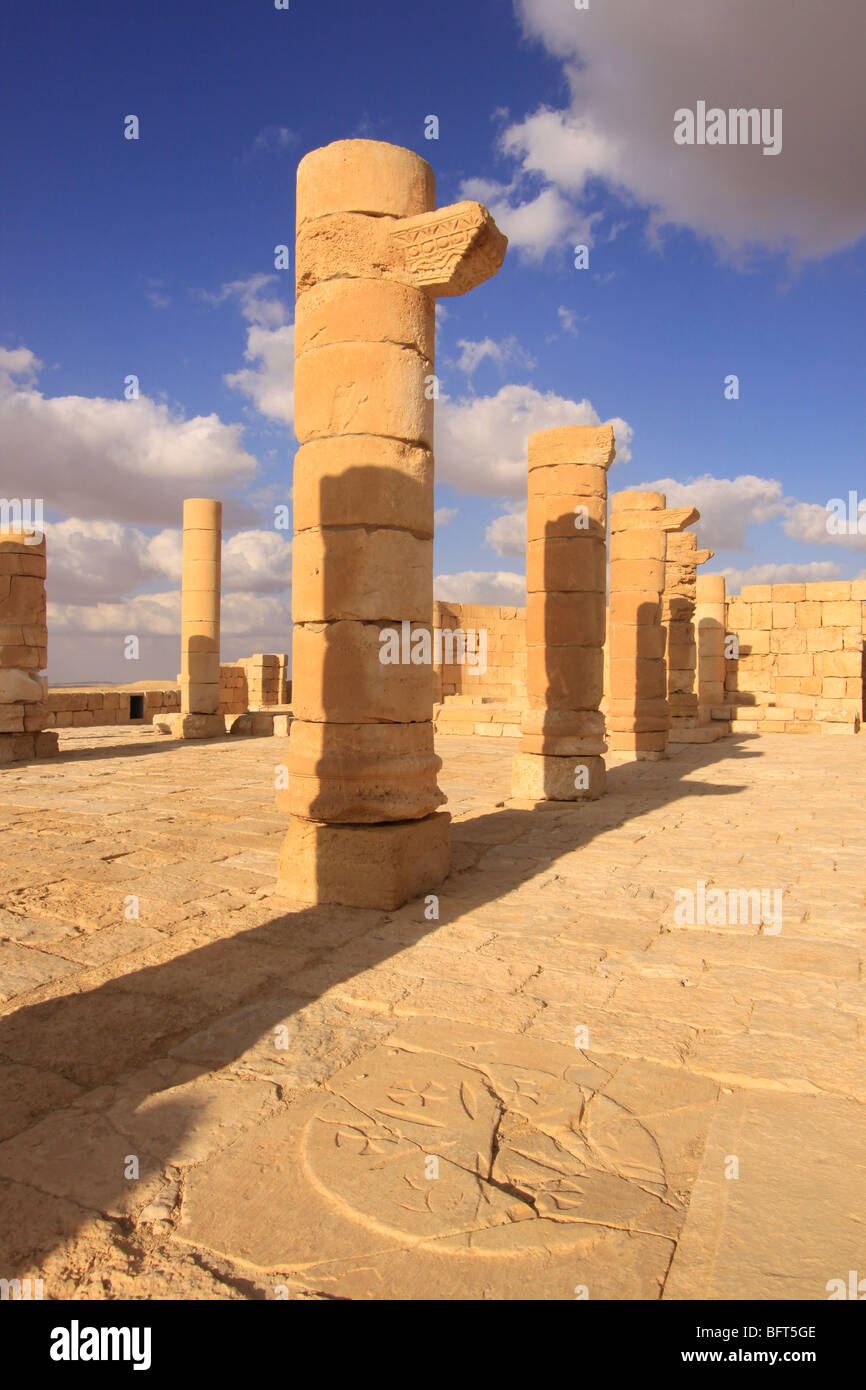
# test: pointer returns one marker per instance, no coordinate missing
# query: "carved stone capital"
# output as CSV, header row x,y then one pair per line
x,y
451,250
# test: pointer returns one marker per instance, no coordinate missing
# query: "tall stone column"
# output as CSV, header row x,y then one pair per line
x,y
200,621
678,617
639,715
23,648
562,731
711,622
372,255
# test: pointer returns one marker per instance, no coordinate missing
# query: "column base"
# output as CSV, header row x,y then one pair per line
x,y
191,725
375,866
547,777
21,748
643,747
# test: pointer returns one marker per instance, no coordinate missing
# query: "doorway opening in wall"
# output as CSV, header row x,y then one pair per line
x,y
136,706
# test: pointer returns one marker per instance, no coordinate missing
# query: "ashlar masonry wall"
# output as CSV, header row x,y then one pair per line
x,y
505,675
800,663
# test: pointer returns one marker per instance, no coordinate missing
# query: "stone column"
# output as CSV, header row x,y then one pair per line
x,y
710,619
372,255
562,731
200,621
678,617
23,648
639,714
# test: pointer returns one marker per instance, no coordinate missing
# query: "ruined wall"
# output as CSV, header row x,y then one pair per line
x,y
800,663
76,709
233,697
800,667
254,682
505,676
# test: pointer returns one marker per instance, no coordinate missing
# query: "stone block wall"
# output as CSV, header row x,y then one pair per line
x,y
254,682
76,709
23,645
800,662
505,675
233,697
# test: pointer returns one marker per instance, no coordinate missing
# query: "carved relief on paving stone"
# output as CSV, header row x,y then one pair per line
x,y
520,1141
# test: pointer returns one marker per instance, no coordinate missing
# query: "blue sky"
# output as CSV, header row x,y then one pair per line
x,y
155,258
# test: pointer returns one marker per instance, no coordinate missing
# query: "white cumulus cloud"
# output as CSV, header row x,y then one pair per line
x,y
479,586
630,66
481,442
727,505
119,460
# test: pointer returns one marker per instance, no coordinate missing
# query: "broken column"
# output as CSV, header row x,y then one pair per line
x,y
200,622
710,622
23,647
372,256
639,715
682,558
562,730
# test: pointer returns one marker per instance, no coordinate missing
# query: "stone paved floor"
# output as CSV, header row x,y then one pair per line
x,y
554,1087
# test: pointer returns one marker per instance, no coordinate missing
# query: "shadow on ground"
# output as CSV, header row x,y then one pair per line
x,y
121,1028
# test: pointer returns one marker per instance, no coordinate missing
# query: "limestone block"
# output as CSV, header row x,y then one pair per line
x,y
790,641
645,680
638,576
583,446
363,481
801,666
631,643
836,591
11,719
18,686
680,655
634,609
22,599
782,614
201,575
566,516
344,246
358,573
826,639
362,388
645,544
21,541
576,482
371,866
648,746
634,501
832,664
364,176
739,613
191,725
361,772
753,641
450,250
567,678
383,311
200,666
15,747
200,698
840,614
542,777
346,682
562,565
808,614
564,619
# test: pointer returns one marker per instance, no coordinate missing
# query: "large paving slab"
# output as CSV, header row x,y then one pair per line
x,y
556,1088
